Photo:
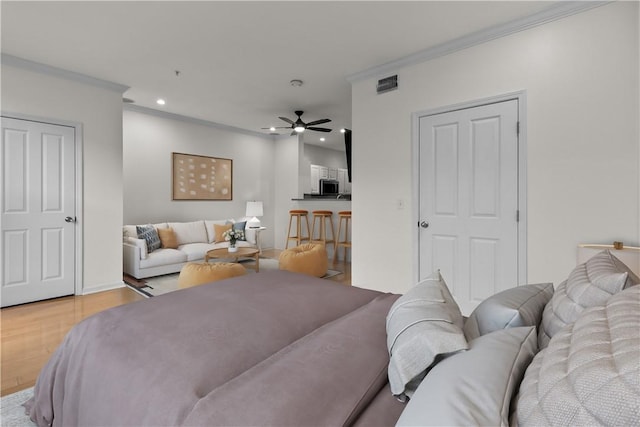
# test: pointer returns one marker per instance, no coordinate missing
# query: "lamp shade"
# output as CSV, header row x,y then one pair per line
x,y
254,209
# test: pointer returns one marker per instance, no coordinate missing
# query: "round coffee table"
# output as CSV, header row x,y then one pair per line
x,y
223,253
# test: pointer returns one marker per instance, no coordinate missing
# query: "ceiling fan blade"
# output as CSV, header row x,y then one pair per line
x,y
318,129
318,122
278,127
287,120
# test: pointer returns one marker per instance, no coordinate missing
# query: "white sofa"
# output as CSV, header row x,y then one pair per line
x,y
195,238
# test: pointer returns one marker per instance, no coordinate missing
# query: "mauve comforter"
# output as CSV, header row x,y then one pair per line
x,y
273,348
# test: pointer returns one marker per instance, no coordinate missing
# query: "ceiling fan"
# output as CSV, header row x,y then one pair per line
x,y
299,126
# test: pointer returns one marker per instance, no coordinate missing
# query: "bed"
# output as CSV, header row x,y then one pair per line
x,y
287,349
284,349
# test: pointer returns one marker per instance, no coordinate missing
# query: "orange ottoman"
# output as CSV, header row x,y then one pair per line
x,y
310,258
197,273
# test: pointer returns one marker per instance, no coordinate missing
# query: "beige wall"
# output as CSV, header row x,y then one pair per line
x,y
99,111
580,75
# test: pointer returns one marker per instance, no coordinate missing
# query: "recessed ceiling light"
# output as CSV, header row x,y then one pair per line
x,y
296,82
322,139
343,130
161,101
272,129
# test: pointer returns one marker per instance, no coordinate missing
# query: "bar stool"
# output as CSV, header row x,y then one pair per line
x,y
343,216
323,217
298,237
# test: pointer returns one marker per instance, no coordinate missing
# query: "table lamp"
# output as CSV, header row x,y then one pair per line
x,y
254,210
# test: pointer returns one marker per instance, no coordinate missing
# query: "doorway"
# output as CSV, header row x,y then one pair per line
x,y
39,210
470,193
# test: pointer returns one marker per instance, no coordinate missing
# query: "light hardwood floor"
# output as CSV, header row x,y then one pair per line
x,y
30,333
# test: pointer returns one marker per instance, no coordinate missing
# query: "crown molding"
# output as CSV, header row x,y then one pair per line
x,y
193,120
38,67
555,12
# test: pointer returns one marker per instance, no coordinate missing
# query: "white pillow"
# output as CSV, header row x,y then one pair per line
x,y
519,306
422,325
474,388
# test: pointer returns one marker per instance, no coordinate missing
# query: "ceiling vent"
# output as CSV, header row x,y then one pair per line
x,y
387,84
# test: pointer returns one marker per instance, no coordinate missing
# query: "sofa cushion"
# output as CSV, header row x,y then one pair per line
x,y
474,387
190,232
219,230
590,372
422,324
196,251
519,306
590,284
162,257
168,238
129,231
150,234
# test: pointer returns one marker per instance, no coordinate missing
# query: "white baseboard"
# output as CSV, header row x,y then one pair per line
x,y
103,287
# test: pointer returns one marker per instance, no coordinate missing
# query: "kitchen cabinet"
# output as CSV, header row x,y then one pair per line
x,y
343,180
317,173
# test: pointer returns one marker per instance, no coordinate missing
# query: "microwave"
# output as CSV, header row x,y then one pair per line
x,y
329,187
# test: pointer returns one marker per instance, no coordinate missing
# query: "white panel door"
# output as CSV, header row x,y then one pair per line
x,y
38,211
469,200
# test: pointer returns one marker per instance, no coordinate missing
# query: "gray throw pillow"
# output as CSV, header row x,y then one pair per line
x,y
150,235
519,306
474,388
589,285
422,325
590,372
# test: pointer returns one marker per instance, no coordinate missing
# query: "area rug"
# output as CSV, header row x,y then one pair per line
x,y
159,285
11,409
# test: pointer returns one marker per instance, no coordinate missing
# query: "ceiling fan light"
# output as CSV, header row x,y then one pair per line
x,y
299,129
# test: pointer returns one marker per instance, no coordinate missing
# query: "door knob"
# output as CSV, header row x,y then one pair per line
x,y
424,224
69,219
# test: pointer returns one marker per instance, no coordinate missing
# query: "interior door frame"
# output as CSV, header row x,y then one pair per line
x,y
79,190
521,97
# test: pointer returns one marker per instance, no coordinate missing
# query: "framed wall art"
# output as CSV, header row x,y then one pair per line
x,y
198,177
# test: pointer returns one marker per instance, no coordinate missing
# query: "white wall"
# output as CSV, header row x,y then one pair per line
x,y
287,157
148,142
100,112
581,79
315,155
